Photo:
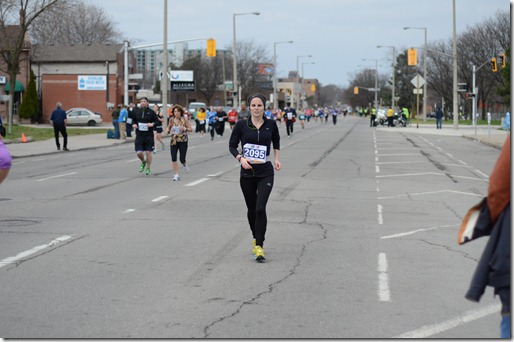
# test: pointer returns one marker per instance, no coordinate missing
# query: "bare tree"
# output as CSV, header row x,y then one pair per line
x,y
248,57
19,14
74,23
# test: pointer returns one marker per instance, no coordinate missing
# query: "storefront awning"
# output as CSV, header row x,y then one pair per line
x,y
17,88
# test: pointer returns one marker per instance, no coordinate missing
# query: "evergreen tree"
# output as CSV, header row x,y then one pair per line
x,y
29,108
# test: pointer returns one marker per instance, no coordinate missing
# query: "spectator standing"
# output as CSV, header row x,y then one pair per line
x,y
122,122
115,116
59,122
390,117
439,118
129,120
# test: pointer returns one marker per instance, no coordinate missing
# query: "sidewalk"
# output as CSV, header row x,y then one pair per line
x,y
494,137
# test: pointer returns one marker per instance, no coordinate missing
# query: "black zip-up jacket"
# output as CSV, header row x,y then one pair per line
x,y
245,132
145,115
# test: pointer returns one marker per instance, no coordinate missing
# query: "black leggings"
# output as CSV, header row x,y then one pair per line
x,y
256,192
182,147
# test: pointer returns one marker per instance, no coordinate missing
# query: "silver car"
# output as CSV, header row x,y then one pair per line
x,y
83,116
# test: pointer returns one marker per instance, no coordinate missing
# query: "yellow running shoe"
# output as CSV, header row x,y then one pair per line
x,y
254,243
259,254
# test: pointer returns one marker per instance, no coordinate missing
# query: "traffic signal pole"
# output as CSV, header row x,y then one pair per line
x,y
475,93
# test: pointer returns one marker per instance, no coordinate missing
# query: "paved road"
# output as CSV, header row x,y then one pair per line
x,y
361,241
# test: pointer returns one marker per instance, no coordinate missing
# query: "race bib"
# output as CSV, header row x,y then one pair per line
x,y
255,154
202,122
289,115
129,121
175,130
143,127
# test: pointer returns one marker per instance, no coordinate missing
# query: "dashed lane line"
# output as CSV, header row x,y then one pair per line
x,y
34,250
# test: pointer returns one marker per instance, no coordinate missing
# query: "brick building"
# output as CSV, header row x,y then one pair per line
x,y
84,75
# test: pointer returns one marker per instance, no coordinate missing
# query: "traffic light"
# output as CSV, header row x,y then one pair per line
x,y
412,57
211,47
494,66
356,90
503,60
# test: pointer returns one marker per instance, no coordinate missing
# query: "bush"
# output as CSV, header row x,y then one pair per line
x,y
29,108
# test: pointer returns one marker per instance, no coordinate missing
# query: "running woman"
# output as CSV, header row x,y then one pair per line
x,y
256,134
144,121
178,127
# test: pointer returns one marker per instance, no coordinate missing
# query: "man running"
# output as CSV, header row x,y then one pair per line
x,y
144,121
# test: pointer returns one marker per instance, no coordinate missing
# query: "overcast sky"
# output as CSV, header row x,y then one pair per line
x,y
337,33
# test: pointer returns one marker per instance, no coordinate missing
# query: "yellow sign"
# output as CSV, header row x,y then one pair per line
x,y
355,90
412,57
313,87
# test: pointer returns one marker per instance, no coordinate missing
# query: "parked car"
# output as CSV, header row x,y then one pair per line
x,y
83,116
193,108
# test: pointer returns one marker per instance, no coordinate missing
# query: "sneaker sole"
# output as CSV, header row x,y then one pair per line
x,y
260,258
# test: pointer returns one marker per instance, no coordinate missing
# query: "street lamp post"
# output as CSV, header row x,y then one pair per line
x,y
234,81
376,80
275,71
394,72
455,80
424,70
303,77
298,77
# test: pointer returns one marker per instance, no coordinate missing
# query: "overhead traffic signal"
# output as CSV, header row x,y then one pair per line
x,y
503,60
412,57
355,90
211,47
494,66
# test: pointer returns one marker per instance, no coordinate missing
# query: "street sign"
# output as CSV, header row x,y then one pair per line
x,y
417,91
417,81
182,86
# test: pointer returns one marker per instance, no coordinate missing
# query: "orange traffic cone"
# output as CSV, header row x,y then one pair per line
x,y
23,138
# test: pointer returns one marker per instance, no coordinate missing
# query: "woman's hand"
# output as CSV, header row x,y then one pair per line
x,y
245,164
278,165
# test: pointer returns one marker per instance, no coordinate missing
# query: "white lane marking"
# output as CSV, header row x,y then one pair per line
x,y
449,155
64,175
462,162
416,231
431,192
473,178
467,317
483,174
402,162
36,249
377,169
414,174
160,198
380,218
133,160
201,180
400,154
216,174
384,294
18,163
376,159
129,211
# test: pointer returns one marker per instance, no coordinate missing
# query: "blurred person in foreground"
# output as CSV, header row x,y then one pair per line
x,y
491,217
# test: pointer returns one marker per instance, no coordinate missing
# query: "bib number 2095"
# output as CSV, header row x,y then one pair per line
x,y
255,154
